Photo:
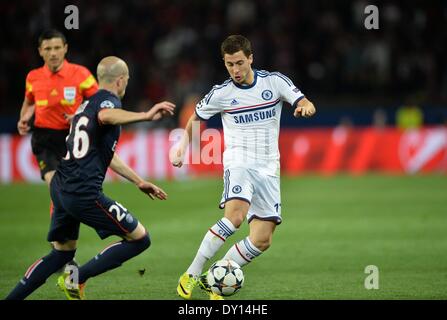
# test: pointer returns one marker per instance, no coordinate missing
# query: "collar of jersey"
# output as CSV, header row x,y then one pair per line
x,y
63,72
249,86
110,93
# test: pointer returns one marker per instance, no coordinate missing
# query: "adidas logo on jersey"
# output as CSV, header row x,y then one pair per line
x,y
234,102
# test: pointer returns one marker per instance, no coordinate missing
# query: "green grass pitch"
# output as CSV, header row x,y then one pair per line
x,y
332,229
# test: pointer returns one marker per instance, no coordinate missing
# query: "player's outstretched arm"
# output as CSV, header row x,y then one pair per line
x,y
118,166
304,108
120,116
26,113
160,110
177,153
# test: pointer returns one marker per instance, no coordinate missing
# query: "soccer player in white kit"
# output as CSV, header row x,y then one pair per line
x,y
250,105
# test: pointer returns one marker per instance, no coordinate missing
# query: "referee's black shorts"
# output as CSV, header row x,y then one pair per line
x,y
49,147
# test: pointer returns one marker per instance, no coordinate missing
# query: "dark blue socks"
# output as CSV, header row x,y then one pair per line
x,y
112,257
38,273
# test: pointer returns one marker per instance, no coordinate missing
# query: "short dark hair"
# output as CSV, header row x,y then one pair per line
x,y
50,34
235,43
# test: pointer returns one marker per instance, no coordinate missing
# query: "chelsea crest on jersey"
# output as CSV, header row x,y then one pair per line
x,y
251,116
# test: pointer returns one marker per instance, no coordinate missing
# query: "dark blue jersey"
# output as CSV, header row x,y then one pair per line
x,y
90,147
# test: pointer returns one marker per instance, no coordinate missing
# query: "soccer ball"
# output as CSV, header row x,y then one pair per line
x,y
225,277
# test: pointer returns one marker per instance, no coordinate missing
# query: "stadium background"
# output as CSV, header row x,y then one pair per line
x,y
361,185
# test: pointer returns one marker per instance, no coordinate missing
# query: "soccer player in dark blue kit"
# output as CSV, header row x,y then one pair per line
x,y
76,189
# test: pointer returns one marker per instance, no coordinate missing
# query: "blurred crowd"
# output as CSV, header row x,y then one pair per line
x,y
172,47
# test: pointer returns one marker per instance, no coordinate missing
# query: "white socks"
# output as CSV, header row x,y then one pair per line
x,y
211,243
243,252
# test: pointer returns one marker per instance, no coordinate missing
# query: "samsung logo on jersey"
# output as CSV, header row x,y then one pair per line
x,y
255,116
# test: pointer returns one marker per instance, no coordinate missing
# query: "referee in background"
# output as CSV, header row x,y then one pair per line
x,y
52,95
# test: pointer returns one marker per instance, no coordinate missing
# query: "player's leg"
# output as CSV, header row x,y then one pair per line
x,y
236,201
49,148
68,282
238,191
254,245
108,217
115,254
48,176
40,270
64,231
263,216
235,212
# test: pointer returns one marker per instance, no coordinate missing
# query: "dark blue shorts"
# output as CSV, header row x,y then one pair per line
x,y
103,214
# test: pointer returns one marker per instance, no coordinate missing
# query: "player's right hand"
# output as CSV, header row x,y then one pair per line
x,y
152,190
306,110
176,156
160,110
23,127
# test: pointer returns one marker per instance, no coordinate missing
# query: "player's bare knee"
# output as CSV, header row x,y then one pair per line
x,y
68,245
262,244
236,211
236,218
261,241
138,234
140,238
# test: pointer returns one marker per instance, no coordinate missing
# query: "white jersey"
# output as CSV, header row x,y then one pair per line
x,y
251,116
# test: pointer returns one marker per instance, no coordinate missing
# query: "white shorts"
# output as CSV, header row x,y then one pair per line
x,y
261,191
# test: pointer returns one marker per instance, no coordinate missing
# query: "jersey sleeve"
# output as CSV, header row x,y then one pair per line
x,y
287,90
88,85
209,105
108,103
29,94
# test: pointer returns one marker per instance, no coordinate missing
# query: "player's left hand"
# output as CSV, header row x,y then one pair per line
x,y
152,190
305,110
176,156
